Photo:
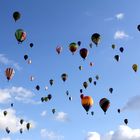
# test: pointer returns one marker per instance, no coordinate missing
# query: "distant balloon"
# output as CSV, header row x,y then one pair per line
x,y
21,130
138,27
119,111
29,61
20,35
121,49
79,43
73,47
64,77
90,79
25,56
21,121
70,98
117,57
95,83
67,92
84,53
28,125
97,77
104,104
16,15
86,102
91,64
51,82
92,113
9,72
32,78
49,96
135,67
31,45
4,113
7,130
53,110
90,45
37,87
12,104
110,90
95,38
80,67
58,49
113,46
126,121
46,87
81,91
85,84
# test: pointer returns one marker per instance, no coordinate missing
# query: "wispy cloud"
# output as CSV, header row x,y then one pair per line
x,y
43,113
62,116
120,35
50,135
6,61
119,16
132,104
16,93
122,133
5,138
12,121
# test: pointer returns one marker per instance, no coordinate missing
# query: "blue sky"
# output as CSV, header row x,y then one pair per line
x,y
49,23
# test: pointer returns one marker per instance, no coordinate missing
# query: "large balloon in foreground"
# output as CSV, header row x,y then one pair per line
x,y
95,38
9,72
20,35
86,102
104,104
135,67
84,53
16,15
73,47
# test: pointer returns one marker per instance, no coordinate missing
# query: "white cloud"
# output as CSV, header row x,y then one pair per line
x,y
132,104
12,121
120,35
122,133
62,116
43,113
50,135
17,93
5,138
119,16
4,60
93,136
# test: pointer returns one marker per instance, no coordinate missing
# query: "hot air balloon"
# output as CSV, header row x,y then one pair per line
x,y
4,113
84,53
80,67
86,102
64,77
113,46
92,113
20,35
110,90
12,104
46,87
90,45
135,67
138,27
9,72
29,61
81,90
104,104
7,130
28,126
126,121
91,64
16,15
85,84
73,47
121,49
53,110
95,83
25,56
21,130
49,96
97,77
21,121
51,82
117,57
95,38
37,87
32,78
79,43
90,79
31,45
70,98
58,49
118,110
67,92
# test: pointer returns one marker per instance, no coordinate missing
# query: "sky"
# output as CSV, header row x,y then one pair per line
x,y
51,23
